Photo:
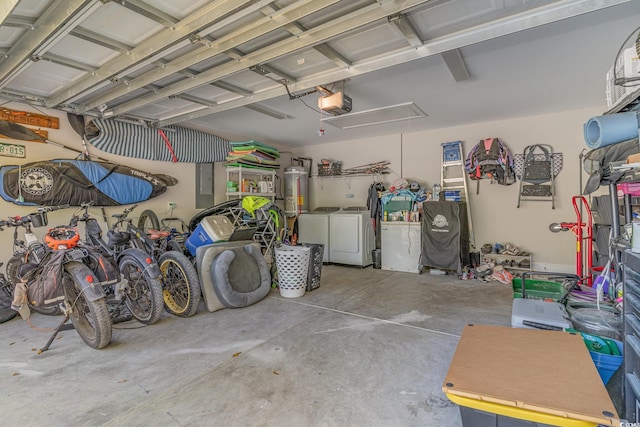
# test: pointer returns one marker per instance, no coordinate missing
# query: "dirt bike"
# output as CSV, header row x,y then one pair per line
x,y
142,291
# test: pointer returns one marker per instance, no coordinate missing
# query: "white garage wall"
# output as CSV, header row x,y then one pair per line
x,y
182,194
417,156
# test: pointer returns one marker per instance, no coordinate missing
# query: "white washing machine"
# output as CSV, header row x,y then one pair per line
x,y
351,237
313,227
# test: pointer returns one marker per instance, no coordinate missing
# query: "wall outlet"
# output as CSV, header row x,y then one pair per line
x,y
172,205
349,195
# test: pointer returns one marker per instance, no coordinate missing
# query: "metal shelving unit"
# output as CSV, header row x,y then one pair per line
x,y
238,174
346,178
499,258
630,102
631,335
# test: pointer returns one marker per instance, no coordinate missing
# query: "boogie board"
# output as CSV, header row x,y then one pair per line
x,y
250,164
252,158
73,182
257,153
254,145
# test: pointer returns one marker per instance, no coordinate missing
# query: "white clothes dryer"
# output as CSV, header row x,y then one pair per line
x,y
351,237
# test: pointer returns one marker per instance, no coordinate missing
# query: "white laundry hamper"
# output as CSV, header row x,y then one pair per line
x,y
293,268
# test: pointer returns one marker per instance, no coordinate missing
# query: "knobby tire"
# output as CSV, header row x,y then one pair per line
x,y
181,285
143,295
89,318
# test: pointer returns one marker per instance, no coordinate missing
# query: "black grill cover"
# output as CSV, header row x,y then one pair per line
x,y
445,235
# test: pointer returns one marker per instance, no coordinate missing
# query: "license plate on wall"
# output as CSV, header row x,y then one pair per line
x,y
12,150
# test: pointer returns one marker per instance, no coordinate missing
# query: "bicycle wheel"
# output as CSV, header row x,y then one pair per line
x,y
148,220
143,295
181,285
89,318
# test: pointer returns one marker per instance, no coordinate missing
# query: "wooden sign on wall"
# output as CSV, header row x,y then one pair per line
x,y
27,118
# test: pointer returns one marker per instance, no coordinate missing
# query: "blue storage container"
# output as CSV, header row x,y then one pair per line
x,y
214,228
607,364
452,196
602,352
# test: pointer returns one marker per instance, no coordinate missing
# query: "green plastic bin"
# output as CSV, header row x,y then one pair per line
x,y
397,204
539,289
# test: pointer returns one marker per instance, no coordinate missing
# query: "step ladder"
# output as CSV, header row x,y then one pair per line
x,y
453,177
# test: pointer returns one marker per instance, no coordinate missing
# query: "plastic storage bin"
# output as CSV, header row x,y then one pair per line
x,y
376,257
397,204
536,314
608,364
511,377
538,289
452,196
293,270
602,323
477,418
477,413
214,228
315,264
607,354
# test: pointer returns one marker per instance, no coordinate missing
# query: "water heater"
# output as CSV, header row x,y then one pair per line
x,y
296,190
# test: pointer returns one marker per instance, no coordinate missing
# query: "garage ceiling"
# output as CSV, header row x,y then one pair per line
x,y
251,68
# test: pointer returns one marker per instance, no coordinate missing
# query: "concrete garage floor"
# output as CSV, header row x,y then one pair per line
x,y
368,348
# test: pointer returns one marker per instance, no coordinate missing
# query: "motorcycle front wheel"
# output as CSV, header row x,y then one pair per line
x,y
89,318
143,295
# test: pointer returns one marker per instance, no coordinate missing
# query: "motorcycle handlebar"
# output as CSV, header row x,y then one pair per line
x,y
18,221
15,221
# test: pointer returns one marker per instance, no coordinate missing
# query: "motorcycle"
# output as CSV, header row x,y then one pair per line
x,y
141,285
60,278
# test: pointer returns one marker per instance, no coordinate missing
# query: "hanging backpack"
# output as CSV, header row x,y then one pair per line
x,y
490,158
44,286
